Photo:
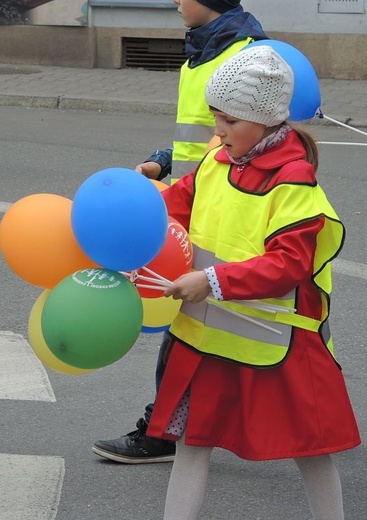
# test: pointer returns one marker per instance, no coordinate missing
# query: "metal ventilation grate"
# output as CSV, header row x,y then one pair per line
x,y
153,54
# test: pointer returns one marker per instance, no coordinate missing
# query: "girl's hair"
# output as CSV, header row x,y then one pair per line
x,y
312,154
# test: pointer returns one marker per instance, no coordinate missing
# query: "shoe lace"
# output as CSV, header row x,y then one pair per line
x,y
141,430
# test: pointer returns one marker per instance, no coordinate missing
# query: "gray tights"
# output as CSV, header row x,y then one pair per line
x,y
188,482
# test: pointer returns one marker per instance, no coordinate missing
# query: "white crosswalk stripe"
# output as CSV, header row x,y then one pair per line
x,y
350,268
22,375
30,486
4,206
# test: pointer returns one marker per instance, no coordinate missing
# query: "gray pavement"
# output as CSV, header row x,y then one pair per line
x,y
142,90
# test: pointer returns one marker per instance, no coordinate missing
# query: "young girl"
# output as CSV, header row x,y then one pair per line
x,y
251,368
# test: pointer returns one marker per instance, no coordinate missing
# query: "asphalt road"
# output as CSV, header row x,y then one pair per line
x,y
49,421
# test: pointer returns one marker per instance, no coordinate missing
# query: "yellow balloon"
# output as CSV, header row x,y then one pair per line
x,y
159,312
37,341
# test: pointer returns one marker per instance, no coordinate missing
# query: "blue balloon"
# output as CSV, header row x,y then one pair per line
x,y
306,99
119,219
154,330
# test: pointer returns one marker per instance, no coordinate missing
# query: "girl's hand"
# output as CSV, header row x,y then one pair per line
x,y
191,287
149,169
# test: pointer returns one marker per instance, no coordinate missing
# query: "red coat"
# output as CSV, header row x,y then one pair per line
x,y
299,408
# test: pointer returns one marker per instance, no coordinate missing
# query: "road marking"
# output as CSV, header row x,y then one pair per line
x,y
30,486
350,268
4,206
22,375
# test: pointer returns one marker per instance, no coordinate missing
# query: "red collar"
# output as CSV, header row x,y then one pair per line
x,y
291,149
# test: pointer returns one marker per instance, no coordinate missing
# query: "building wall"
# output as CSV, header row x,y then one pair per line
x,y
303,16
292,16
329,39
335,43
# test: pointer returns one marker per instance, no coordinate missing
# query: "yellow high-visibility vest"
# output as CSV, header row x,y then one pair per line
x,y
231,225
195,123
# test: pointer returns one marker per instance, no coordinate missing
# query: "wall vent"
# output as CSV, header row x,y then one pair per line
x,y
342,6
152,53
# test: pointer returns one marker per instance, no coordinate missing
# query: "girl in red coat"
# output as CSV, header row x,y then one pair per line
x,y
251,368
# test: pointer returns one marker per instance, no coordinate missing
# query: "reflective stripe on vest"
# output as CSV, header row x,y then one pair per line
x,y
195,123
234,227
193,133
182,167
233,316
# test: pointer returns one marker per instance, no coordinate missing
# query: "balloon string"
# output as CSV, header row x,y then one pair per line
x,y
133,276
157,281
343,124
156,275
154,287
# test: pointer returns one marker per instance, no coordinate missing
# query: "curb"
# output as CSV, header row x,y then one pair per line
x,y
28,101
66,103
118,105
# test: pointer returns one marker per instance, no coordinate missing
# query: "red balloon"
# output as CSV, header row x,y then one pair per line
x,y
173,260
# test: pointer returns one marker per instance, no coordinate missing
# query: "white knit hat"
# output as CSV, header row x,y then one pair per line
x,y
255,85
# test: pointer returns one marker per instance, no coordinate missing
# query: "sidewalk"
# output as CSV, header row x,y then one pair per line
x,y
142,90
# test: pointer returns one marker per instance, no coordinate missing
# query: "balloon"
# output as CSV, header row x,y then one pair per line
x,y
37,240
161,186
213,143
173,260
306,99
154,330
158,313
38,344
119,219
92,318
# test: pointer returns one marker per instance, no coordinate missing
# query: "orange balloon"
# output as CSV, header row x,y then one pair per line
x,y
161,186
213,143
37,240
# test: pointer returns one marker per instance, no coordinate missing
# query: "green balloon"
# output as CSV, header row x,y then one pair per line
x,y
92,318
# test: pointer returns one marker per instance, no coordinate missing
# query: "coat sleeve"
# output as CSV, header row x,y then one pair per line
x,y
179,199
287,262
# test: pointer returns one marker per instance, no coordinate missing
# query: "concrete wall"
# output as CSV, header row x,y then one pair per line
x,y
341,56
303,16
141,14
334,40
43,45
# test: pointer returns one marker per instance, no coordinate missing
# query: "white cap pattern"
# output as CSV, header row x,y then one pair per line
x,y
254,85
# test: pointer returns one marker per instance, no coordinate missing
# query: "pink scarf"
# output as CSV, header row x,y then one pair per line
x,y
268,142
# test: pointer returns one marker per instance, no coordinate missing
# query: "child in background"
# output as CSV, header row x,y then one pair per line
x,y
251,367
